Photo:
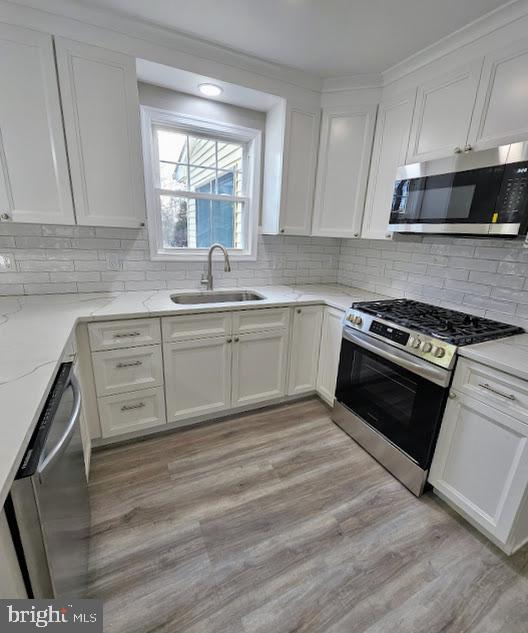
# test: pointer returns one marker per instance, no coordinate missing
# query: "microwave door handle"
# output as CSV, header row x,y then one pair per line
x,y
438,375
65,439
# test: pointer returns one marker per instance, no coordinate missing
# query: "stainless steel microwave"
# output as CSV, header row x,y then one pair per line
x,y
472,193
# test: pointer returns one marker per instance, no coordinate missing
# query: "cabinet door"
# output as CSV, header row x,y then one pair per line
x,y
197,377
330,349
501,110
442,117
259,367
481,463
304,350
302,140
34,180
101,117
344,158
391,140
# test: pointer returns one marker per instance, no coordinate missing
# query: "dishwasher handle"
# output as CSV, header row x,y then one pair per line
x,y
58,449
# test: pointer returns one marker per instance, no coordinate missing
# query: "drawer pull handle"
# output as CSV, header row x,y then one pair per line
x,y
129,407
508,396
128,334
134,363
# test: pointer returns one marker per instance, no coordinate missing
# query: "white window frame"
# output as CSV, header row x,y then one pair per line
x,y
251,138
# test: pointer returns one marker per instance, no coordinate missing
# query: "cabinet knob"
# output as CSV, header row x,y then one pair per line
x,y
299,310
468,148
388,235
282,230
356,234
5,216
452,395
237,339
458,150
229,340
141,224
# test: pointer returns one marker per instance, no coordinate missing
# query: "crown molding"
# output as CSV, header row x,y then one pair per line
x,y
352,82
483,26
161,35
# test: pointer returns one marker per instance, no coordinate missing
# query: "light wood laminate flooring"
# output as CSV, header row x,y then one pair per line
x,y
277,522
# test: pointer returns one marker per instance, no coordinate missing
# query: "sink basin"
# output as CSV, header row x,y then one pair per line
x,y
216,296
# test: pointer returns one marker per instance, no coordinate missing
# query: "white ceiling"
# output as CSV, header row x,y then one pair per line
x,y
325,37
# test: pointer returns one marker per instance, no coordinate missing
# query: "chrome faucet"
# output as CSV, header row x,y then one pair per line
x,y
207,279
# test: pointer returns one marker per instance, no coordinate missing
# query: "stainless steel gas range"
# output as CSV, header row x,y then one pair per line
x,y
395,368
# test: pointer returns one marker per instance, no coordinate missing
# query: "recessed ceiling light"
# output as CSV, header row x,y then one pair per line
x,y
210,90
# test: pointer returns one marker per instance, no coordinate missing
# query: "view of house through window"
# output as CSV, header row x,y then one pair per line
x,y
201,190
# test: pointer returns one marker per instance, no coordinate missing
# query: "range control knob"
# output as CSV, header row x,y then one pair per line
x,y
357,320
426,347
414,342
438,352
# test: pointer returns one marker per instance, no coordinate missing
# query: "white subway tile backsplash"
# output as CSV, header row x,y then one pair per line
x,y
52,258
484,276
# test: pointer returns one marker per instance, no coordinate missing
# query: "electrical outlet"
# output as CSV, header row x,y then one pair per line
x,y
7,262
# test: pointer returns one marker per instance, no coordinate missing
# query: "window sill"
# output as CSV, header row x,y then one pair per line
x,y
201,256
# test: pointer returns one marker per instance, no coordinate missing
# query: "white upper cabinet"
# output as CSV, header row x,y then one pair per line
x,y
442,117
344,158
101,118
302,141
501,111
292,140
391,140
34,181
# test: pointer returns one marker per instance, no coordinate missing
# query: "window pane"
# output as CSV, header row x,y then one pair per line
x,y
172,146
174,176
190,223
203,179
176,228
229,155
202,152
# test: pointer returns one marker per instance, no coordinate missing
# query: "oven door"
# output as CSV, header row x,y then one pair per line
x,y
456,202
399,396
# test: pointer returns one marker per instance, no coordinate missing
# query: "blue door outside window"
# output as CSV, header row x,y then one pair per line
x,y
215,218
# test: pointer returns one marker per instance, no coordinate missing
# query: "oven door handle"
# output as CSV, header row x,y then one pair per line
x,y
438,375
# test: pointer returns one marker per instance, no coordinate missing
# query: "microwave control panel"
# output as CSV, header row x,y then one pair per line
x,y
512,202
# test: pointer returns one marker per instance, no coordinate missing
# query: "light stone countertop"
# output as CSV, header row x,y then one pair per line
x,y
34,331
509,355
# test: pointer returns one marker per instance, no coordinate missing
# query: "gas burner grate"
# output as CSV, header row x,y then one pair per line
x,y
448,325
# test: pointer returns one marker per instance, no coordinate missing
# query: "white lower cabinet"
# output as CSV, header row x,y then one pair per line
x,y
259,367
480,467
304,349
330,349
122,370
135,411
197,377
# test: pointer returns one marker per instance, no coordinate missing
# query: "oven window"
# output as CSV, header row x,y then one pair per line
x,y
401,405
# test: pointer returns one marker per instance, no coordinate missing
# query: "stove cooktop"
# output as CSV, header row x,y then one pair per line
x,y
451,326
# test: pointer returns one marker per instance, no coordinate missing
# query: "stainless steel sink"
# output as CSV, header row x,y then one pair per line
x,y
216,296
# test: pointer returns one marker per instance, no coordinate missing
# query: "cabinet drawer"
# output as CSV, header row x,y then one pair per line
x,y
500,390
117,334
128,412
191,326
122,370
247,321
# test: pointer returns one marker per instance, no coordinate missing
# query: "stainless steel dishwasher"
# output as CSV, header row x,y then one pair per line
x,y
48,509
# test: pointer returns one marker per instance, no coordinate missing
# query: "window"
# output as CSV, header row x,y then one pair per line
x,y
202,183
